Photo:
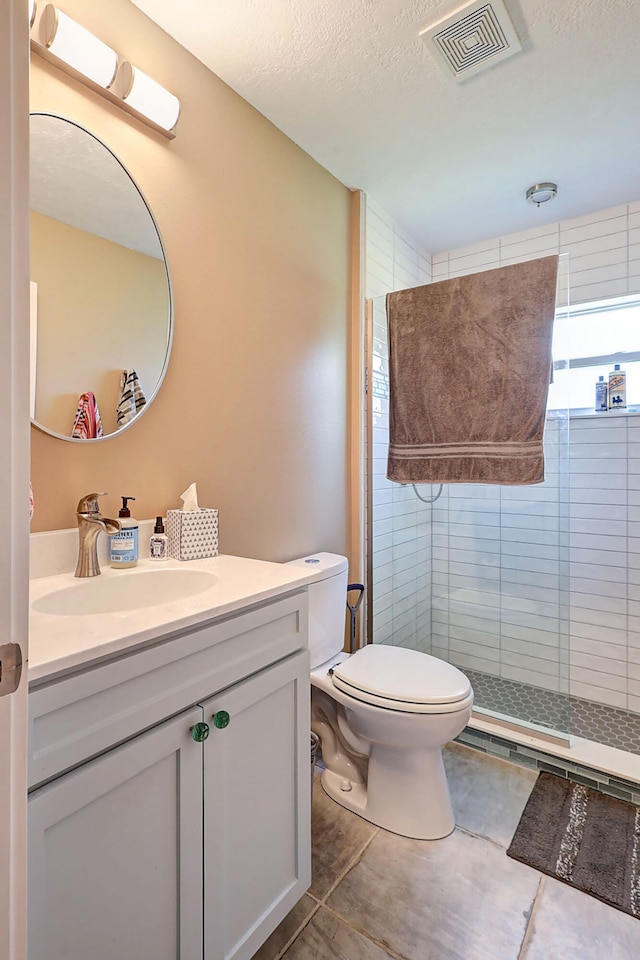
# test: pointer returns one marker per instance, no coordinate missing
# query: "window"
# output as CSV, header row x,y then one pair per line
x,y
587,341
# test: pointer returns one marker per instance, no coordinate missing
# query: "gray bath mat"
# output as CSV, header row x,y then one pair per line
x,y
583,838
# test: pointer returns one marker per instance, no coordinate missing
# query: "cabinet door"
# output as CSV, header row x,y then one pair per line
x,y
257,807
116,853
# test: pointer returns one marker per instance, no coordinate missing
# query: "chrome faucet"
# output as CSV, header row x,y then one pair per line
x,y
90,524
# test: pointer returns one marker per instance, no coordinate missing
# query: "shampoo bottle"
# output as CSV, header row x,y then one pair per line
x,y
158,544
617,388
602,395
124,545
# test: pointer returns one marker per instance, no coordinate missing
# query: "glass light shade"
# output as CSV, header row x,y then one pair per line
x,y
32,11
79,48
152,100
541,193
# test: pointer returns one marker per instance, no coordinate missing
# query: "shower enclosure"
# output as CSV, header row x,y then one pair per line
x,y
474,574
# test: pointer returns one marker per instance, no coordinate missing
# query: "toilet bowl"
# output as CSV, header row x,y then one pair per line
x,y
383,715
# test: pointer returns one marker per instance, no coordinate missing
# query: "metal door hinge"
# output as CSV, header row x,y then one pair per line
x,y
10,668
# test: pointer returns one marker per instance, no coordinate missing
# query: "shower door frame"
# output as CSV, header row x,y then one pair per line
x,y
368,362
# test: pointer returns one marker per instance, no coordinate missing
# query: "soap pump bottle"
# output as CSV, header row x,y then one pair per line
x,y
124,545
617,388
159,543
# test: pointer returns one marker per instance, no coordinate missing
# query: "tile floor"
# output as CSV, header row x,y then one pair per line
x,y
377,896
593,721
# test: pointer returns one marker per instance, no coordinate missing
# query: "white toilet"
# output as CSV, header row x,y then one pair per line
x,y
382,714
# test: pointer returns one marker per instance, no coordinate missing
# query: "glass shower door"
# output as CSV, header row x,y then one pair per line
x,y
480,576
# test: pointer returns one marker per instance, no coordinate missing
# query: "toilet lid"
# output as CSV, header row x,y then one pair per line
x,y
402,675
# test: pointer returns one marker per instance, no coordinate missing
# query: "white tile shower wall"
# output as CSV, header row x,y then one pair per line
x,y
401,542
498,602
499,596
604,249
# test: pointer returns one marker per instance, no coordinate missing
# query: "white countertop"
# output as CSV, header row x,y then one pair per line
x,y
58,644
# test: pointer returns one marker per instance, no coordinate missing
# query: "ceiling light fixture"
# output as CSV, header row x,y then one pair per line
x,y
541,193
61,40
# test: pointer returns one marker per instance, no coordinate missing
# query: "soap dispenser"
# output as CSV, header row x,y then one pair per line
x,y
124,545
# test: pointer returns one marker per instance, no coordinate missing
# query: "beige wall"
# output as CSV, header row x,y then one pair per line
x,y
102,308
254,405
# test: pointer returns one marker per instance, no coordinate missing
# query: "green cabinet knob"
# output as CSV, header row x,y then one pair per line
x,y
221,719
200,732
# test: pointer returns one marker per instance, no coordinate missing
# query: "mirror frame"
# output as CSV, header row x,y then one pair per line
x,y
170,318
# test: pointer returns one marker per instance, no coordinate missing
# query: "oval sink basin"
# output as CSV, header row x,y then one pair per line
x,y
126,591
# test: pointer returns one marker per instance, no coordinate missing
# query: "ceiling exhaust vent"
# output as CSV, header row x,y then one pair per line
x,y
472,39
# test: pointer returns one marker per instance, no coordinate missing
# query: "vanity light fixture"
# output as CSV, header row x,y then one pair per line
x,y
77,46
147,96
74,49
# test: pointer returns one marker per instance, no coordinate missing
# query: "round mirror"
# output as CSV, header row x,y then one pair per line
x,y
101,307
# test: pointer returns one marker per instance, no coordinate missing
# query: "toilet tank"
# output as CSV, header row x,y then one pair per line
x,y
327,604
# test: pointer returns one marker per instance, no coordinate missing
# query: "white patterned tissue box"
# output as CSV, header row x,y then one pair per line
x,y
192,535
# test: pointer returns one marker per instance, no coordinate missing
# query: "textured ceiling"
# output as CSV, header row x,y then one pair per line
x,y
353,84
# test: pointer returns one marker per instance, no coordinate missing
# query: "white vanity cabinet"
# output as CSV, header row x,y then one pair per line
x,y
156,844
253,821
114,849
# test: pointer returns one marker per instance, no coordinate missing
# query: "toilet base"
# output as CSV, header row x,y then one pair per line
x,y
410,797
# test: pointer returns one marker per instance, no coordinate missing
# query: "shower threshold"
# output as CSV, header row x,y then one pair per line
x,y
540,731
585,741
608,769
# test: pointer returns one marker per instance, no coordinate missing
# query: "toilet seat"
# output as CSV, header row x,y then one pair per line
x,y
396,678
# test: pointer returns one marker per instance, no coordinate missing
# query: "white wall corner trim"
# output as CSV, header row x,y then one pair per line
x,y
14,478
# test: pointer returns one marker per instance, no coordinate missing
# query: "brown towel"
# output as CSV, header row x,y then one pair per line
x,y
469,364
